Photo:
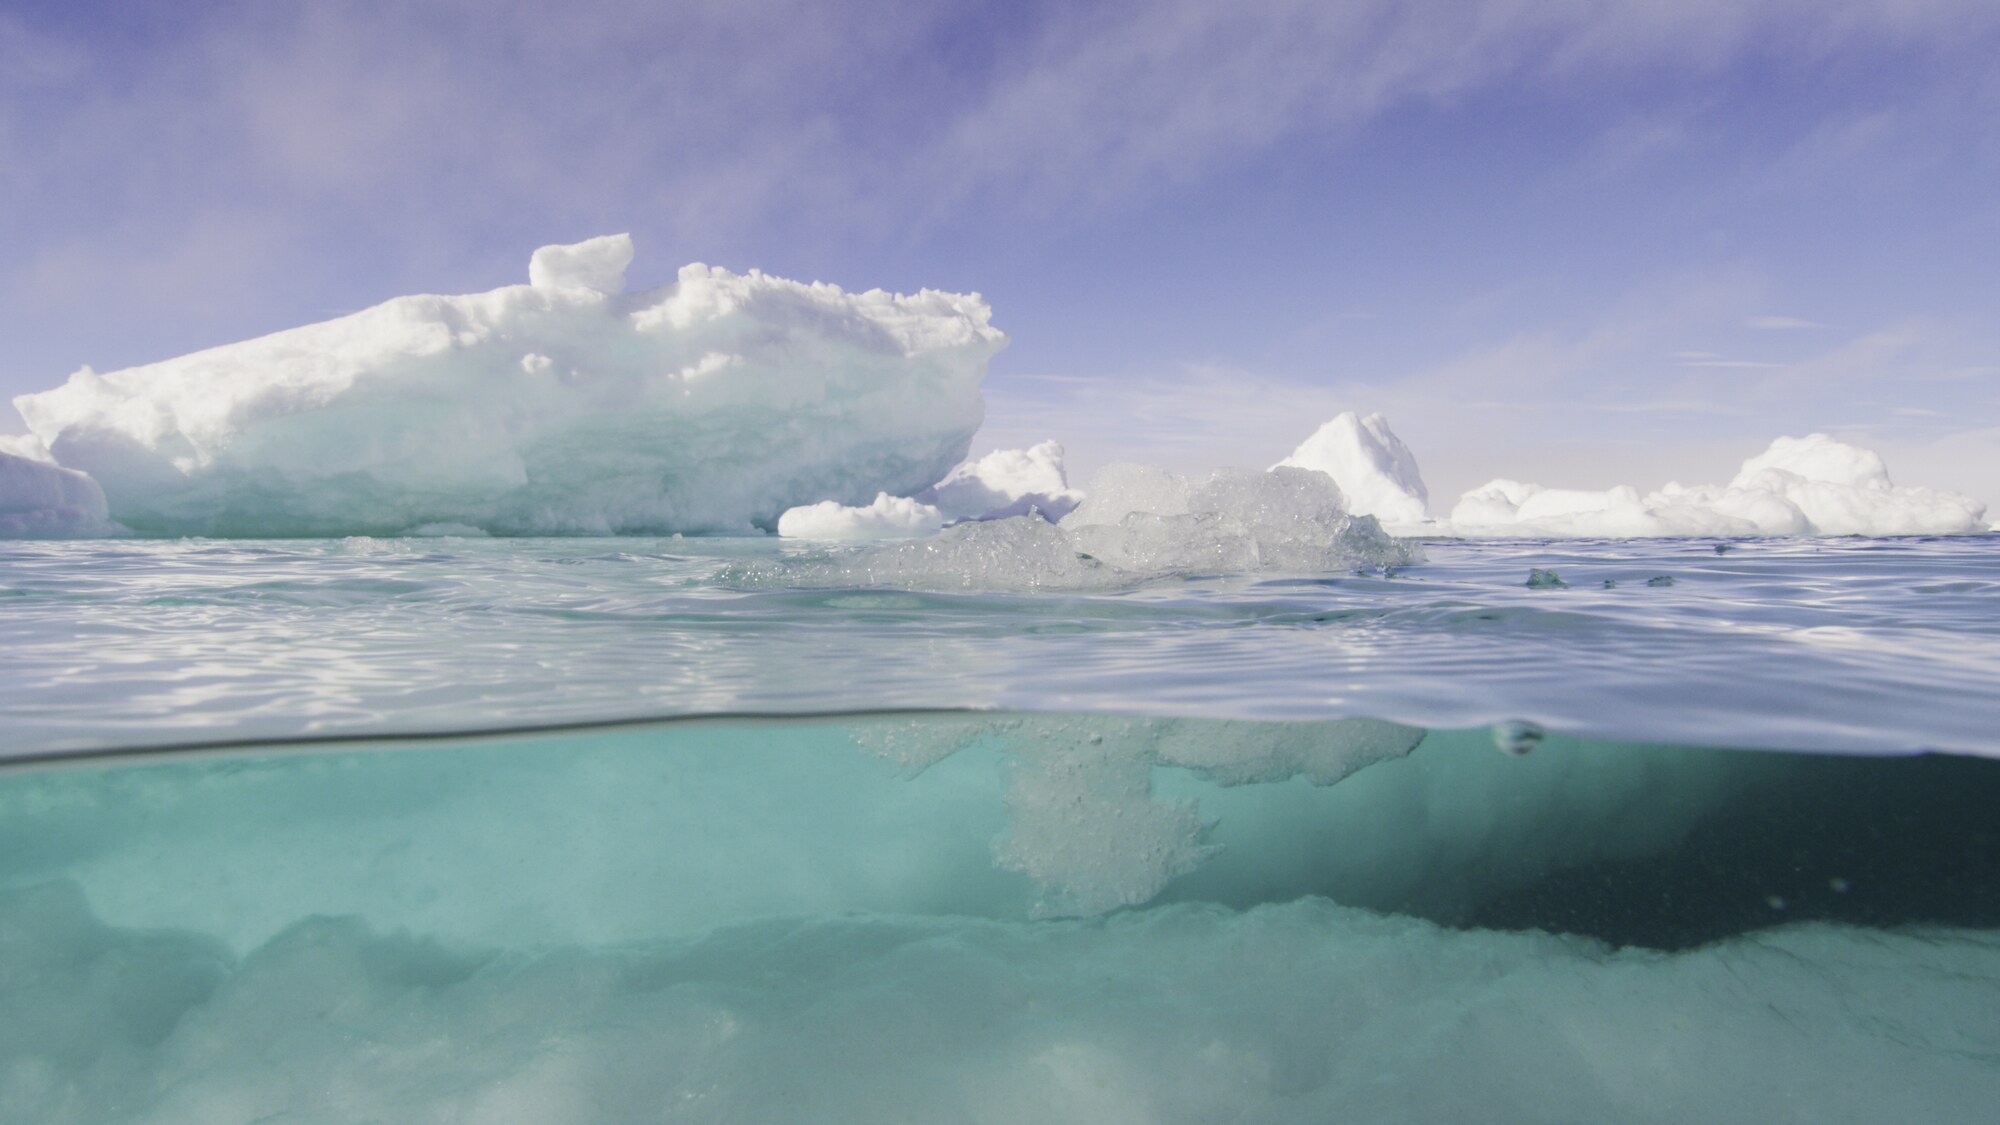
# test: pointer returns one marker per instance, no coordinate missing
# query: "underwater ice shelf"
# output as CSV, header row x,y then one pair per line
x,y
998,917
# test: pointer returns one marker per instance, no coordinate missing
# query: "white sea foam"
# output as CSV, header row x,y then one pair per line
x,y
563,406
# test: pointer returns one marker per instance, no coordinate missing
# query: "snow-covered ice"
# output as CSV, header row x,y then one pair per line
x,y
1135,524
734,403
39,499
560,407
1004,483
888,517
1814,485
1376,472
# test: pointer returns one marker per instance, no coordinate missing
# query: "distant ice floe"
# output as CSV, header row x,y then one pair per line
x,y
1814,485
563,406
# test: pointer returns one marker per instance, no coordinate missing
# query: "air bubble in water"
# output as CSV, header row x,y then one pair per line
x,y
1517,736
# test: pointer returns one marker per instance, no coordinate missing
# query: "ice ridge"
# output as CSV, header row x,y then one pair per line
x,y
1812,485
564,406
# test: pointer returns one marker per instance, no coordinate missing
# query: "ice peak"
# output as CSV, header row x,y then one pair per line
x,y
1376,472
595,263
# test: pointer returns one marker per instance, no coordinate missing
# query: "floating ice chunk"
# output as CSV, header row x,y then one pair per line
x,y
39,499
1813,485
1375,470
1007,482
1841,490
1085,824
1002,484
597,264
713,404
889,517
1149,521
1135,524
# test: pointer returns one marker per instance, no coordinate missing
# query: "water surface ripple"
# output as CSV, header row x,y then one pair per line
x,y
1863,645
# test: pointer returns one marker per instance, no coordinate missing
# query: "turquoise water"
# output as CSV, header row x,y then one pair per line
x,y
1201,848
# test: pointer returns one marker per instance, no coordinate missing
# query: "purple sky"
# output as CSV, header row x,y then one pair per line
x,y
1573,242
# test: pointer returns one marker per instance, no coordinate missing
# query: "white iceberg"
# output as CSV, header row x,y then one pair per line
x,y
560,407
1376,472
42,500
889,517
1814,485
1136,524
1004,483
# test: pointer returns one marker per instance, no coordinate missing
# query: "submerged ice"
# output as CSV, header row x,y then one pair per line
x,y
565,406
715,922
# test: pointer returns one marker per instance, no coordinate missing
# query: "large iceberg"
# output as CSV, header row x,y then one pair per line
x,y
1814,485
40,499
564,406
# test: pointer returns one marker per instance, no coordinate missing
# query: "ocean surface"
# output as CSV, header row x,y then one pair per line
x,y
1876,645
637,830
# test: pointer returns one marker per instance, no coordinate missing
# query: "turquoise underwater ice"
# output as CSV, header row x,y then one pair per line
x,y
1190,848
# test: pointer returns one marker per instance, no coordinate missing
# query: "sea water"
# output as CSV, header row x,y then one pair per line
x,y
628,830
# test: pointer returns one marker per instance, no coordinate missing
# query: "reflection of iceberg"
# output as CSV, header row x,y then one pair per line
x,y
563,406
